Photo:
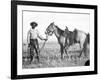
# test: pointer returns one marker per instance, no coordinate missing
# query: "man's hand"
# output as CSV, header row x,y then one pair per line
x,y
28,44
45,39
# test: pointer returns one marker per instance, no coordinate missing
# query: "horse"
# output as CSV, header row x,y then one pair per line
x,y
67,38
60,35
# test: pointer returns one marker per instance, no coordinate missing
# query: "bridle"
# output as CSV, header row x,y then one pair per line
x,y
43,43
50,32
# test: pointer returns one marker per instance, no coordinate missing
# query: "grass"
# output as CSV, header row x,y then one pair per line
x,y
50,56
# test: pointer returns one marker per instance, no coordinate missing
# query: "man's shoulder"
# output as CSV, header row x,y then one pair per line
x,y
33,30
36,30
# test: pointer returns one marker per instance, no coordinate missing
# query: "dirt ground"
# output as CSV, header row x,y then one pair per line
x,y
50,56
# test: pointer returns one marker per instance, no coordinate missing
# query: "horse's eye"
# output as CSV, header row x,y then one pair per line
x,y
48,31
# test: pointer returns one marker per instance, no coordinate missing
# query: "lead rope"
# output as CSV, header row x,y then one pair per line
x,y
43,44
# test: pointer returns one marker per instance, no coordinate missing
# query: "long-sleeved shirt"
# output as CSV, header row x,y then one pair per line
x,y
34,34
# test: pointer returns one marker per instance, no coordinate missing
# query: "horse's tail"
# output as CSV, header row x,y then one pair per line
x,y
88,38
87,41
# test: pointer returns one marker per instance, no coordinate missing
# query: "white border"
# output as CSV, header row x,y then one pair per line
x,y
21,71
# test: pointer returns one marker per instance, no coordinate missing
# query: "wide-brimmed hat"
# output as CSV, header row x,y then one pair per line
x,y
33,24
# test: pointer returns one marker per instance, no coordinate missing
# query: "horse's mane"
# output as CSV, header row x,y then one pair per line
x,y
59,28
61,32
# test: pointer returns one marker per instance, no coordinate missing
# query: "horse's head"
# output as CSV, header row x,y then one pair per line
x,y
50,29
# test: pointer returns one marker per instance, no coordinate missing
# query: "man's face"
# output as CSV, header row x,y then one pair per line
x,y
33,27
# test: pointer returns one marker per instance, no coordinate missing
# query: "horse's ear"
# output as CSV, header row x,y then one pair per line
x,y
52,22
75,29
66,27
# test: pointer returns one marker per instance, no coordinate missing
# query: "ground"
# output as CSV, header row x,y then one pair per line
x,y
50,56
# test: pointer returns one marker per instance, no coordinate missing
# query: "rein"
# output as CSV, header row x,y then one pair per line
x,y
43,44
45,41
52,31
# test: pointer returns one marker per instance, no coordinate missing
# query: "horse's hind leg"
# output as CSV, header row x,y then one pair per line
x,y
66,52
81,48
80,53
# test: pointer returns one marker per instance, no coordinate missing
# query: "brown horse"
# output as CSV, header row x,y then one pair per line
x,y
60,34
67,38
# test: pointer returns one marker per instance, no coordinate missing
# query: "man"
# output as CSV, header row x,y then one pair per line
x,y
32,40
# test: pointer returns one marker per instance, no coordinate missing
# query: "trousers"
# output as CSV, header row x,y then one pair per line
x,y
34,48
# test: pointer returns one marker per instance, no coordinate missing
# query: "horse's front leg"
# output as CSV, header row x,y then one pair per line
x,y
66,48
62,51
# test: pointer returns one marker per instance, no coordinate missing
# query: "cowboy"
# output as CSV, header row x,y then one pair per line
x,y
32,40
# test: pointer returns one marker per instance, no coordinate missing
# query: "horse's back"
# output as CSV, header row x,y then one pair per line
x,y
81,36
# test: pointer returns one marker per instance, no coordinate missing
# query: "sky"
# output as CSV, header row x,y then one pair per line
x,y
71,20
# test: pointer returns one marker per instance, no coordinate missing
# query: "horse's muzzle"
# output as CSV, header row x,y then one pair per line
x,y
45,32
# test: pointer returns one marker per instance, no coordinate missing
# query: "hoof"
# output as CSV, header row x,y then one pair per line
x,y
62,59
79,56
67,57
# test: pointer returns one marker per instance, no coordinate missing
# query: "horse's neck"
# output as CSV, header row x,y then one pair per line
x,y
56,32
